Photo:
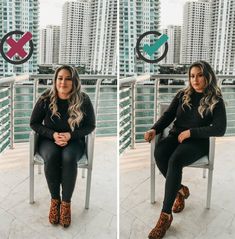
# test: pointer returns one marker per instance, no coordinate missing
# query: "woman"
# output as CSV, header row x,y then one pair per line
x,y
62,117
198,113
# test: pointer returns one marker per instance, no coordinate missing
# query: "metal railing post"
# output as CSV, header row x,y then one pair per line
x,y
11,98
97,93
155,100
35,86
133,130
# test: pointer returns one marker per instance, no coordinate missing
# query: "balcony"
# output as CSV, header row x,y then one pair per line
x,y
19,94
139,100
19,219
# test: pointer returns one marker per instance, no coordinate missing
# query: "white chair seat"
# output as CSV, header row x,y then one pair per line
x,y
202,162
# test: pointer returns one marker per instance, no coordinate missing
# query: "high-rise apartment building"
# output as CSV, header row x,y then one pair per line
x,y
88,35
75,33
195,41
49,45
103,37
174,40
223,36
20,15
136,18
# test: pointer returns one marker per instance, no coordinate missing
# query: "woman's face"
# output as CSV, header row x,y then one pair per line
x,y
64,83
197,79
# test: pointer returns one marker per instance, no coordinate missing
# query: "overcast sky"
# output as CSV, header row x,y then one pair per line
x,y
171,12
50,12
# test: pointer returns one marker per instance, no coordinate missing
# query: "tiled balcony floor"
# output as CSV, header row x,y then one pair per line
x,y
138,215
21,220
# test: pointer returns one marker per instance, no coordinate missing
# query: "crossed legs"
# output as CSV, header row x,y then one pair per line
x,y
171,157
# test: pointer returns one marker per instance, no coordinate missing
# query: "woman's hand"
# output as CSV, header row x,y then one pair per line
x,y
61,139
66,136
183,135
149,135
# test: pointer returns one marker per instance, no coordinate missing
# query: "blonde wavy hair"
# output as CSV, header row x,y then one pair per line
x,y
211,93
75,98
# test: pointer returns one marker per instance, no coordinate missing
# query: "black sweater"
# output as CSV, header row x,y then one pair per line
x,y
42,123
212,124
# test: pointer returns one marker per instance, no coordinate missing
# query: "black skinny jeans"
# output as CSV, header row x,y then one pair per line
x,y
60,166
171,157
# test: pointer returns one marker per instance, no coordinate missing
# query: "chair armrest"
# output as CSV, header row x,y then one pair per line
x,y
33,141
90,143
211,150
153,142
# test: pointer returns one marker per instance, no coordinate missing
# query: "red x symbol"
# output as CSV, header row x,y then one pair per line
x,y
17,46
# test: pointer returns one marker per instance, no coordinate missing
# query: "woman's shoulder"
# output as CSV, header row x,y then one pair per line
x,y
220,100
180,93
45,97
45,94
85,97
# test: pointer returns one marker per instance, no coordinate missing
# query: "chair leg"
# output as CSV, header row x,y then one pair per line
x,y
83,173
204,173
39,169
209,188
31,182
152,173
88,188
152,182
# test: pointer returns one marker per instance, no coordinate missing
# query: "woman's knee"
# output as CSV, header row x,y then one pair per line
x,y
50,156
69,158
49,151
175,163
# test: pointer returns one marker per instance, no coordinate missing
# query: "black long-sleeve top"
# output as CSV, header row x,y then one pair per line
x,y
45,126
212,124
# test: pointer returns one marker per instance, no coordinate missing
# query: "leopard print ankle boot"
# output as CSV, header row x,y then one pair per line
x,y
65,214
54,213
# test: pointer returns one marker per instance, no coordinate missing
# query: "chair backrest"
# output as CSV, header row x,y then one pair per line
x,y
162,108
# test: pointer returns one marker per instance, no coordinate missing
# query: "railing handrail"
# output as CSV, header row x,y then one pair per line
x,y
185,76
12,79
144,77
133,79
26,77
82,76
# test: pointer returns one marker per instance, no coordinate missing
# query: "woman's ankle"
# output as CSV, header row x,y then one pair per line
x,y
168,214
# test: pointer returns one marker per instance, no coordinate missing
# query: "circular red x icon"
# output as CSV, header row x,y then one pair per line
x,y
16,47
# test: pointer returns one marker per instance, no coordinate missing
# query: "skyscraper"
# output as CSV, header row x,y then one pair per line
x,y
88,35
103,37
49,45
223,36
19,15
174,40
75,33
195,41
136,18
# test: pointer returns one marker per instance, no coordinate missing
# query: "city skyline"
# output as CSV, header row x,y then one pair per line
x,y
171,12
21,15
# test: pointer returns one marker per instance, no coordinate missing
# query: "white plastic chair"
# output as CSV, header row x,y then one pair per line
x,y
205,162
85,162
